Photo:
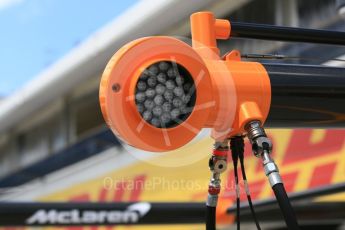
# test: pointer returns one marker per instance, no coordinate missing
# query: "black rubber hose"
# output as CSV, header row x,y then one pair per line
x,y
210,218
235,149
241,156
285,206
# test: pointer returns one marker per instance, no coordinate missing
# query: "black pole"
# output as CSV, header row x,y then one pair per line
x,y
306,96
85,214
290,34
303,195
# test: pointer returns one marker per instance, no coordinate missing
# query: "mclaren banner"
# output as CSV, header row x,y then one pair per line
x,y
307,159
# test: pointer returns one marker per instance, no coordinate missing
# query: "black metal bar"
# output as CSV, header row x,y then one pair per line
x,y
312,193
84,214
290,34
306,96
315,215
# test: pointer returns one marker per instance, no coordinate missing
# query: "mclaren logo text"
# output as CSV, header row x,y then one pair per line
x,y
132,214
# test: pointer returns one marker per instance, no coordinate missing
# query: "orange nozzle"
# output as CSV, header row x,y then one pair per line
x,y
226,93
205,30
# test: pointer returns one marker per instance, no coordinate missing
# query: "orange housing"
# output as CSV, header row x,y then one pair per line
x,y
229,92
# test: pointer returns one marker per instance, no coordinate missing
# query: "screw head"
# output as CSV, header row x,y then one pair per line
x,y
116,87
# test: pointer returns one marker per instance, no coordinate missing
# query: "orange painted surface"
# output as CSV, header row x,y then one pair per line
x,y
229,92
119,109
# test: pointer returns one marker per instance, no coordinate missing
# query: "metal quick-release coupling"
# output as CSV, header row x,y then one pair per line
x,y
271,169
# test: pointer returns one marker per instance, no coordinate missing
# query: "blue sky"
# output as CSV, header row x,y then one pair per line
x,y
36,33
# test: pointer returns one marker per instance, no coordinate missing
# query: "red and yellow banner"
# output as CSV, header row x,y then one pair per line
x,y
306,159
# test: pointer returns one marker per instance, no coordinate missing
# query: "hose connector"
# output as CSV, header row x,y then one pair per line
x,y
258,138
262,147
217,165
271,169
